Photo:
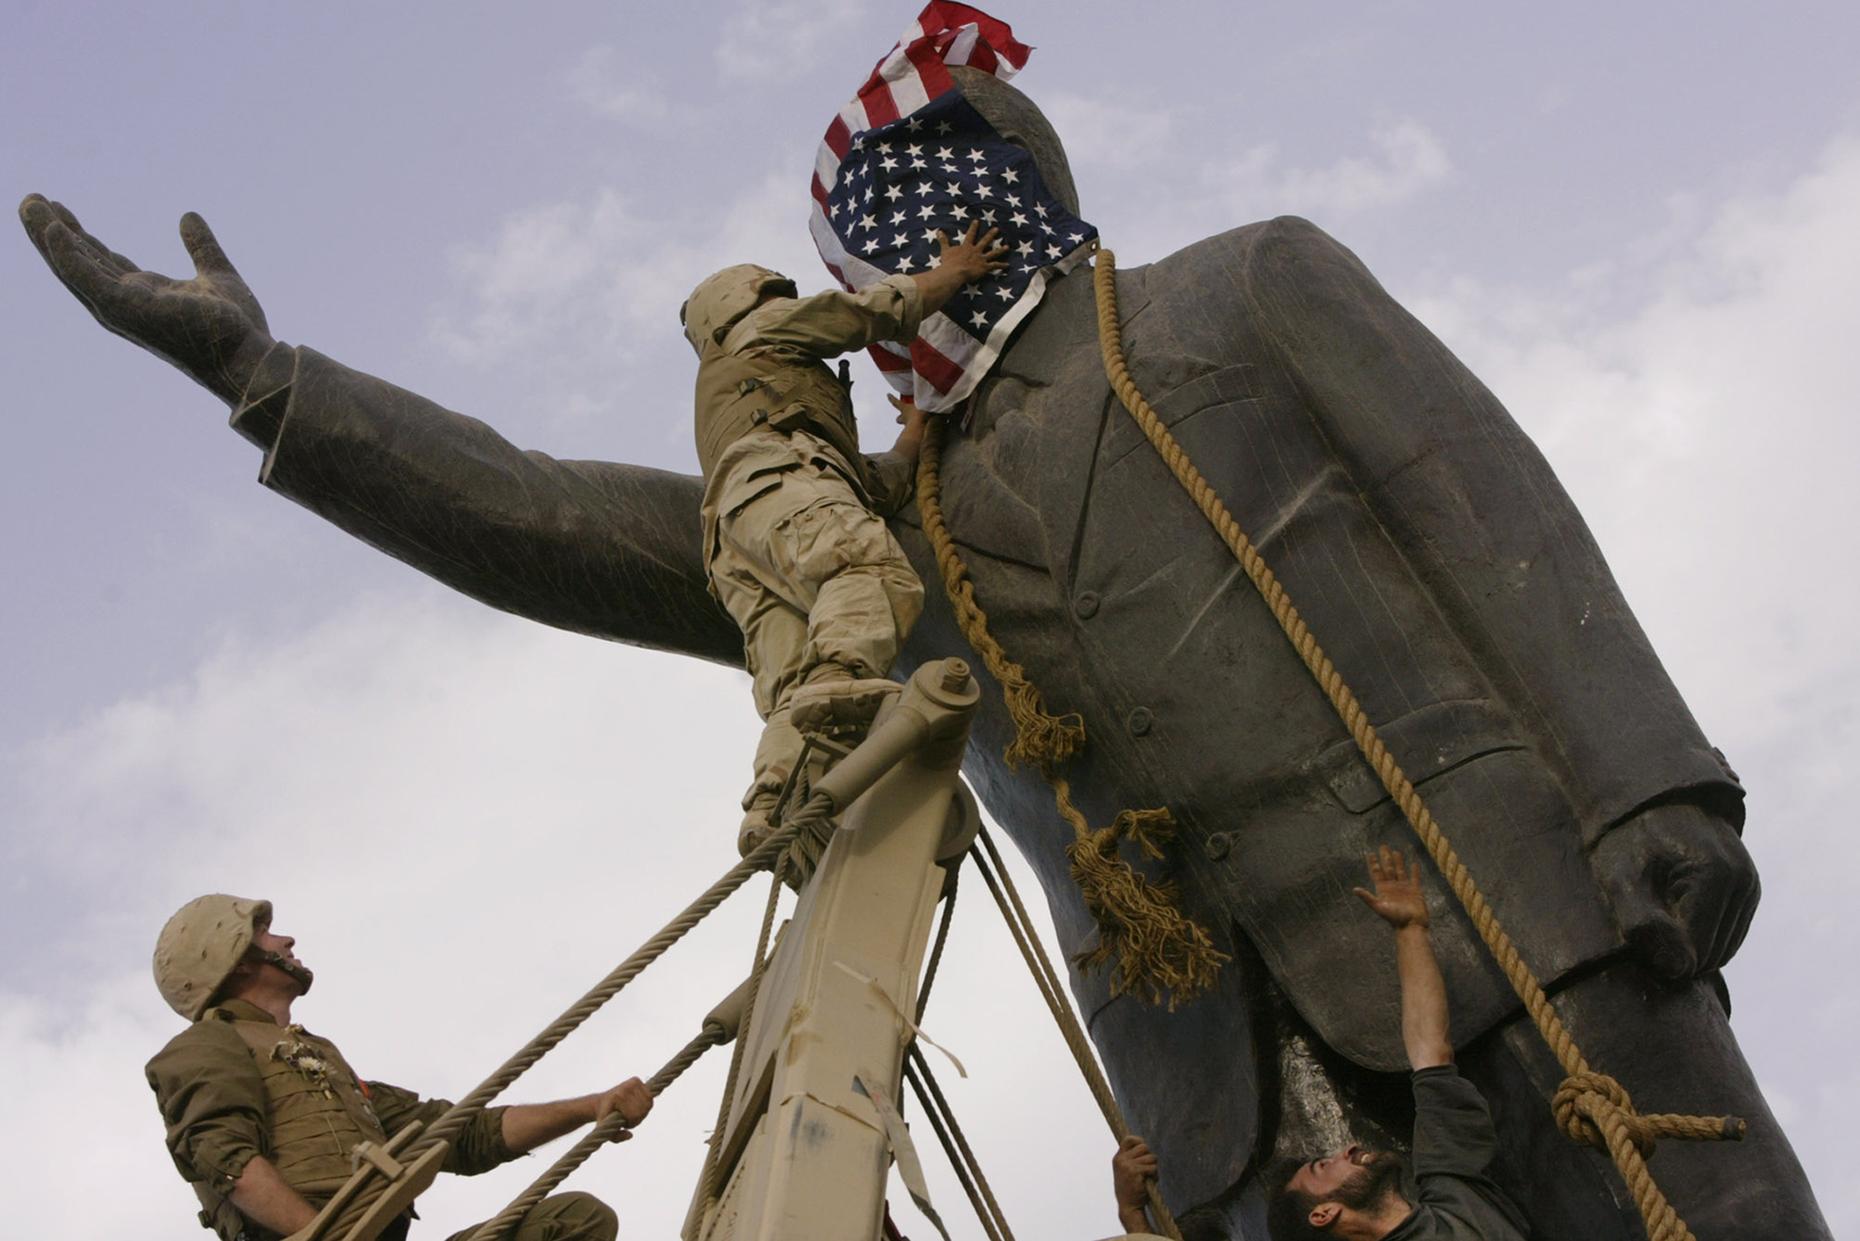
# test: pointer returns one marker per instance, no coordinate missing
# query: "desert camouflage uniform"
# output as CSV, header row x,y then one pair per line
x,y
795,542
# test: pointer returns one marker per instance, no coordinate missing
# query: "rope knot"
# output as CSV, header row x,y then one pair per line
x,y
1586,1102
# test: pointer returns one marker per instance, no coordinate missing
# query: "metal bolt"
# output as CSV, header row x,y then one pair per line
x,y
955,676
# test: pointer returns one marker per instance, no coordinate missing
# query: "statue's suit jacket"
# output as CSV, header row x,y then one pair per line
x,y
1421,534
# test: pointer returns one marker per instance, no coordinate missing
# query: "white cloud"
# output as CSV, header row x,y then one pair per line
x,y
602,84
1406,159
1111,133
781,38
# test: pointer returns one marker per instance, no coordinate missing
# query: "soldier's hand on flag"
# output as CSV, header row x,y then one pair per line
x,y
973,259
908,413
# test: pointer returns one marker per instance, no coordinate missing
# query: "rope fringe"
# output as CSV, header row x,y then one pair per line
x,y
1160,953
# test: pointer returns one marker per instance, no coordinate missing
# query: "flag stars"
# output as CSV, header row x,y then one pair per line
x,y
897,217
884,148
904,263
918,164
1075,238
913,125
960,211
1005,293
1011,176
983,190
935,260
975,156
894,192
870,246
988,215
944,152
1017,218
926,211
867,221
914,148
1013,200
979,318
901,240
954,187
1025,247
1040,209
951,168
942,128
888,163
1053,252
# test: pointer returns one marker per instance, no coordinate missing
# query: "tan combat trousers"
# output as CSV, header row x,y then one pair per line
x,y
561,1217
812,577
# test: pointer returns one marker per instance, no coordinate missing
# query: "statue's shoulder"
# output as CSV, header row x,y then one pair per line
x,y
1263,250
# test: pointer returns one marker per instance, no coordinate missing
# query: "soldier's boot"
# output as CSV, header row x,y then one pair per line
x,y
834,699
756,824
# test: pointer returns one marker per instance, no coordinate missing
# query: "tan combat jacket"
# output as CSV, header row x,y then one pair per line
x,y
767,402
237,1084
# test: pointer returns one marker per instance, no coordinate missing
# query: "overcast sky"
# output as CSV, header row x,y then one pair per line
x,y
1636,223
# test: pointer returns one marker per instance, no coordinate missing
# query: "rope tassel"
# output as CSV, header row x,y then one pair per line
x,y
1160,954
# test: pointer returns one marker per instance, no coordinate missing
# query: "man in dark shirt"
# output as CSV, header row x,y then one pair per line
x,y
1355,1193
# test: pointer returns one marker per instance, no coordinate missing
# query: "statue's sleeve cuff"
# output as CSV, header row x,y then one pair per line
x,y
262,407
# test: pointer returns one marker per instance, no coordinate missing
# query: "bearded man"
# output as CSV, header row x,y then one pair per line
x,y
1356,1194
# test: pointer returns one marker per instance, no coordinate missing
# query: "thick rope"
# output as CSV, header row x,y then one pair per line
x,y
1046,981
1158,952
607,1129
713,1153
453,1122
1590,1107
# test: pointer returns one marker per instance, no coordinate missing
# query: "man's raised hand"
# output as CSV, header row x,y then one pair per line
x,y
211,326
971,258
1397,899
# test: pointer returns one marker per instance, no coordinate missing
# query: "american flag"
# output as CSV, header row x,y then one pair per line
x,y
909,156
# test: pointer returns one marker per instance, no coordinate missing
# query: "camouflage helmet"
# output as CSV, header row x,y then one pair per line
x,y
724,297
200,946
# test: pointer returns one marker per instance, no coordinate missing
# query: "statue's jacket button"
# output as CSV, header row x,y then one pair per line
x,y
1086,605
1140,721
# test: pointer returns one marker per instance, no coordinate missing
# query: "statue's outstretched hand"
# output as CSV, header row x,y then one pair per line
x,y
210,326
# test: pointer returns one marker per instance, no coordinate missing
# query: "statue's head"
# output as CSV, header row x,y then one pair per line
x,y
1019,120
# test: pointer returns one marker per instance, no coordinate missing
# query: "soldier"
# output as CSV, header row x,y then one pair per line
x,y
263,1115
795,542
1357,1194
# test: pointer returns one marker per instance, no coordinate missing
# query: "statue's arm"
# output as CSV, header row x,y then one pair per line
x,y
594,547
1482,518
608,550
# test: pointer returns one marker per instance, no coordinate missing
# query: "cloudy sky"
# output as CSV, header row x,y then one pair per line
x,y
1635,222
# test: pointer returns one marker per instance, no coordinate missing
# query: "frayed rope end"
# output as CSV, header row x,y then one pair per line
x,y
1155,950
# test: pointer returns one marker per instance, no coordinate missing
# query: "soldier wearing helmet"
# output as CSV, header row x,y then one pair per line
x,y
795,543
262,1115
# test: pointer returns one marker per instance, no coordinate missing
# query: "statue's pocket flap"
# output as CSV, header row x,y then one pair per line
x,y
1426,742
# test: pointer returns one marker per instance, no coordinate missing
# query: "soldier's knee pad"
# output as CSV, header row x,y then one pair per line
x,y
573,1216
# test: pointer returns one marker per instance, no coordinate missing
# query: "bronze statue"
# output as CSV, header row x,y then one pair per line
x,y
1425,539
